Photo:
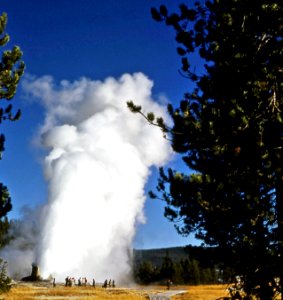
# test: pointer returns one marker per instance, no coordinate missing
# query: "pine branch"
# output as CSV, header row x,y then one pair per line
x,y
150,117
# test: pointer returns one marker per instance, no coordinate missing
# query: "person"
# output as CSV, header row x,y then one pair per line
x,y
54,283
105,283
93,282
169,282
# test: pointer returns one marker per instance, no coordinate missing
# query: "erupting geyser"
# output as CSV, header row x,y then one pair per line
x,y
99,159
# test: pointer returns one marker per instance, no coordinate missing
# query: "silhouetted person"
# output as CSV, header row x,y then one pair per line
x,y
105,283
169,282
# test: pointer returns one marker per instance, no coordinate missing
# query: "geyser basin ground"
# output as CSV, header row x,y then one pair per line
x,y
28,291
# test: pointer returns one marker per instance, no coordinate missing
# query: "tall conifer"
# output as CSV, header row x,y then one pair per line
x,y
229,131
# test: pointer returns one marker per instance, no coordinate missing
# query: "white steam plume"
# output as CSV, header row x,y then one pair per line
x,y
99,160
19,253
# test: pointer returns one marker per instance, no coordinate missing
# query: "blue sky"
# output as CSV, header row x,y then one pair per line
x,y
95,39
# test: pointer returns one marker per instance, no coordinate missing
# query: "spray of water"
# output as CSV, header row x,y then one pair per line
x,y
98,161
19,253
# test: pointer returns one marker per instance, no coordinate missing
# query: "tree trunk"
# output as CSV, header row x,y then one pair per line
x,y
279,208
265,291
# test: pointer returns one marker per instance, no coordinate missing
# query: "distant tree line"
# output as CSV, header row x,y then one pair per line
x,y
202,266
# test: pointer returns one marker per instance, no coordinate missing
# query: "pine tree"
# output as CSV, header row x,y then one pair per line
x,y
185,267
167,270
229,131
145,273
195,274
5,281
11,70
4,229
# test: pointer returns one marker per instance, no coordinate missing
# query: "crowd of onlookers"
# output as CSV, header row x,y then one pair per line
x,y
82,281
108,283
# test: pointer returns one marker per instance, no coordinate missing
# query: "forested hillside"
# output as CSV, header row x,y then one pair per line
x,y
155,256
181,265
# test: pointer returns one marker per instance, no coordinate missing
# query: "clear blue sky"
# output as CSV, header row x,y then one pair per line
x,y
69,39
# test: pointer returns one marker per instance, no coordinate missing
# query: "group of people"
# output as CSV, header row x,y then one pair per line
x,y
82,281
109,283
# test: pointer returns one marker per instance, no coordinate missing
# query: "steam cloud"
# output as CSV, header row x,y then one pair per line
x,y
99,159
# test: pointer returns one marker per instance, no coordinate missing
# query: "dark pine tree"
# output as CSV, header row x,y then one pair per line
x,y
11,70
167,269
229,131
145,272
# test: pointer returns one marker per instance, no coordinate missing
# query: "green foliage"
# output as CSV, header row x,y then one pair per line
x,y
5,281
182,272
156,255
229,131
182,265
167,269
150,117
11,70
146,273
4,229
133,108
195,272
5,204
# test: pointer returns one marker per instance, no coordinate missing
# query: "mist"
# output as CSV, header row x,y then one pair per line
x,y
98,160
19,253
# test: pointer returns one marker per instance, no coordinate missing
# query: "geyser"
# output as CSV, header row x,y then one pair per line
x,y
35,274
98,161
